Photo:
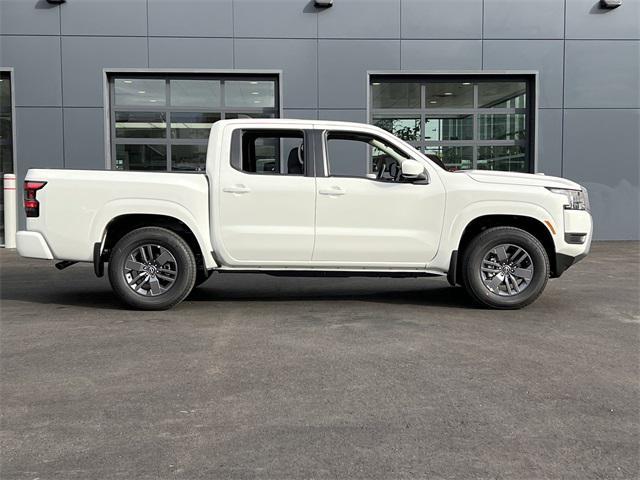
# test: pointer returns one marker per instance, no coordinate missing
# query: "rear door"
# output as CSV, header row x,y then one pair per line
x,y
266,197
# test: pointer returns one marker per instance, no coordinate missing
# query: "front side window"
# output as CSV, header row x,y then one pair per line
x,y
351,154
162,122
269,152
481,122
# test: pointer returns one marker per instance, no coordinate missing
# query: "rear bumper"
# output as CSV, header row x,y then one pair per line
x,y
33,245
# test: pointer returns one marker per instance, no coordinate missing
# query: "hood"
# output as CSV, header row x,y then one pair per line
x,y
513,178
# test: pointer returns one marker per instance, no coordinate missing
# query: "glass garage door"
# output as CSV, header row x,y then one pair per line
x,y
162,122
468,122
6,140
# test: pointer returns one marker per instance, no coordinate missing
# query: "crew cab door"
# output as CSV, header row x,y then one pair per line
x,y
367,214
266,197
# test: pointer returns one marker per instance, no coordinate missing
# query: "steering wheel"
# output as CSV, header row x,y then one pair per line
x,y
395,171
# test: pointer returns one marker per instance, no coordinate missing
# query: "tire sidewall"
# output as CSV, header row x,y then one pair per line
x,y
185,261
491,239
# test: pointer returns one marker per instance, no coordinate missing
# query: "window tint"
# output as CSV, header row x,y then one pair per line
x,y
359,155
270,152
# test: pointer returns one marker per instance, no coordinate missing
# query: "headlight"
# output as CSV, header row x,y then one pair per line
x,y
576,199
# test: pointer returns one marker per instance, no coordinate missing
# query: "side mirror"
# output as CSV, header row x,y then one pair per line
x,y
412,170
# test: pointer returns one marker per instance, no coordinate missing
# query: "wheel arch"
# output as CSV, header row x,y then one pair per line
x,y
529,224
120,225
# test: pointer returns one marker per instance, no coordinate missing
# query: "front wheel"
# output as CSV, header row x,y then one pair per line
x,y
505,268
152,268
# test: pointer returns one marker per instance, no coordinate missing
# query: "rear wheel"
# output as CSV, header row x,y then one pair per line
x,y
152,268
505,268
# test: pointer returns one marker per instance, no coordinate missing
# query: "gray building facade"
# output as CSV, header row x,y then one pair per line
x,y
548,86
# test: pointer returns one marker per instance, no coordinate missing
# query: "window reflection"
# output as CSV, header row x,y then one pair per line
x,y
192,125
395,95
254,94
450,127
195,93
408,129
449,95
141,157
510,158
142,92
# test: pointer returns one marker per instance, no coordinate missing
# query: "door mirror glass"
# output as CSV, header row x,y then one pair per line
x,y
412,170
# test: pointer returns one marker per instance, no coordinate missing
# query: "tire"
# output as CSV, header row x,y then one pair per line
x,y
169,269
519,277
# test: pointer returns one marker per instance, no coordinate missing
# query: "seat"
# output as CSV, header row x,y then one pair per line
x,y
295,165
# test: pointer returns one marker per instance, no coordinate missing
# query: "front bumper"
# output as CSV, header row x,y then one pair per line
x,y
563,262
32,245
575,241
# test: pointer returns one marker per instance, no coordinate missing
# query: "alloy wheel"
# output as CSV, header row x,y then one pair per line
x,y
506,270
150,270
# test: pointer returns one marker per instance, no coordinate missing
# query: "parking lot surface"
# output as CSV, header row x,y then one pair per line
x,y
265,377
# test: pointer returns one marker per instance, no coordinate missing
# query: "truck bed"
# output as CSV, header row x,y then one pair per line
x,y
77,205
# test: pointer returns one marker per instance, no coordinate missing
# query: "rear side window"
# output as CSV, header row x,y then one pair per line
x,y
269,152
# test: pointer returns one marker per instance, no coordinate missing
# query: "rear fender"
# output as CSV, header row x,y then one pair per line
x,y
129,206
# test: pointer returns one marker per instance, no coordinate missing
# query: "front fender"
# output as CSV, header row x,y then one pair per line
x,y
452,233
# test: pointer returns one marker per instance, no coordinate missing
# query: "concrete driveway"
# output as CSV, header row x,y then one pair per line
x,y
263,377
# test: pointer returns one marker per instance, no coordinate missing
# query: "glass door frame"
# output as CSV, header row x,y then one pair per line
x,y
530,77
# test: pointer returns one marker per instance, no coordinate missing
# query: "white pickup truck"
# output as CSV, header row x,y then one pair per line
x,y
297,197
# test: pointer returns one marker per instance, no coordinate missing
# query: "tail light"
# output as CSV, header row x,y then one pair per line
x,y
31,205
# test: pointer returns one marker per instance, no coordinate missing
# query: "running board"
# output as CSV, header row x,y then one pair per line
x,y
334,273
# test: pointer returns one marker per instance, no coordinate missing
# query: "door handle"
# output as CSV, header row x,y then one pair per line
x,y
236,189
335,190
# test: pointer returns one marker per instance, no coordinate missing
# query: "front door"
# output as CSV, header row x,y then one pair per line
x,y
367,214
266,198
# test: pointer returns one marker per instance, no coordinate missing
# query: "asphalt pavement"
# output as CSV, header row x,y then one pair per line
x,y
288,378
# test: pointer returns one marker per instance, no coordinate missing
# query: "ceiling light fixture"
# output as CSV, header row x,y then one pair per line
x,y
142,92
448,94
466,83
323,3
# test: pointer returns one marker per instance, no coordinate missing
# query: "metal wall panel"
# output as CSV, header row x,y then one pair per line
x,y
545,56
167,52
303,114
275,18
438,19
542,19
297,59
441,54
83,61
45,125
343,66
36,63
27,18
84,138
191,18
602,74
601,151
550,141
99,17
353,115
360,19
585,19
